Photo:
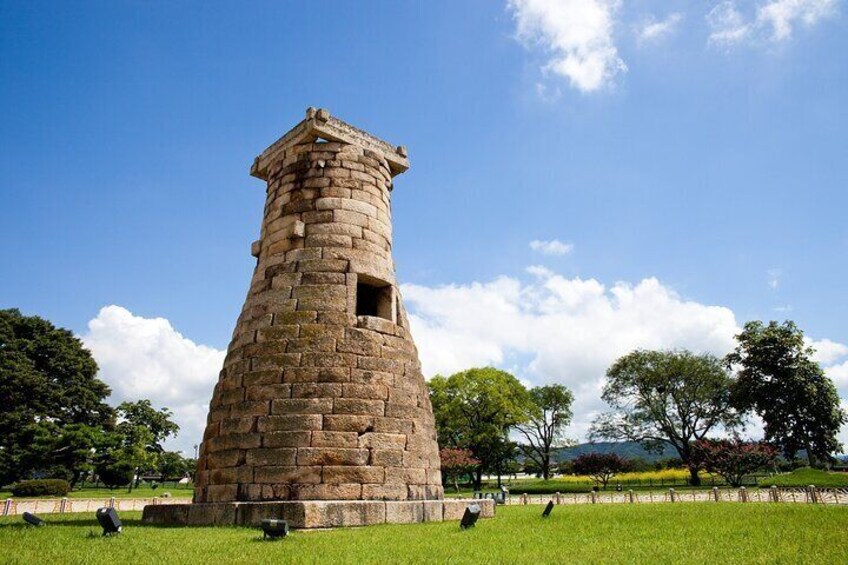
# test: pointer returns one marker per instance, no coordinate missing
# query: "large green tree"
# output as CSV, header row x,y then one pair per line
x,y
173,466
475,410
779,381
671,397
544,429
142,429
48,381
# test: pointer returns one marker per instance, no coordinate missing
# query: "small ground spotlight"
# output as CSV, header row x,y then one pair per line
x,y
274,529
109,521
472,512
33,520
548,509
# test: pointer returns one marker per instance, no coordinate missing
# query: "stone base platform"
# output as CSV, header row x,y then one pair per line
x,y
314,514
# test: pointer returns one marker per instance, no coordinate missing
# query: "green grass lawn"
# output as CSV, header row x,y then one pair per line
x,y
660,533
799,478
141,492
806,476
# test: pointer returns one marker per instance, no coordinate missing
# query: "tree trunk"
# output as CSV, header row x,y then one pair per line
x,y
478,478
811,458
694,478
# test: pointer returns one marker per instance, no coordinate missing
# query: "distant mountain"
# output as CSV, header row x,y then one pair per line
x,y
626,449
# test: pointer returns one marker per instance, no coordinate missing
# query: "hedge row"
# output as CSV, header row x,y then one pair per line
x,y
41,487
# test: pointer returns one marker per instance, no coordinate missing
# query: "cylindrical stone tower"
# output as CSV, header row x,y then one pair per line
x,y
321,396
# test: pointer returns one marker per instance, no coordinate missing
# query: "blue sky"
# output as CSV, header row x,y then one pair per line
x,y
691,155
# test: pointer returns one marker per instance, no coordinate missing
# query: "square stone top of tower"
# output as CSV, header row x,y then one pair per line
x,y
319,124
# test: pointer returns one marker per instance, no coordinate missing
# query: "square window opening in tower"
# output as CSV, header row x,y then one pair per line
x,y
374,298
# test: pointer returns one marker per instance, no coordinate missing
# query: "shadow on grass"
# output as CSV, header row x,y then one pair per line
x,y
76,521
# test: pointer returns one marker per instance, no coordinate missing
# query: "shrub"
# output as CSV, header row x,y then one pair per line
x,y
41,487
116,473
732,458
457,463
600,467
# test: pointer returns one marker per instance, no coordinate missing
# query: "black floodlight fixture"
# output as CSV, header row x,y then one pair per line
x,y
548,509
274,529
109,521
33,520
472,512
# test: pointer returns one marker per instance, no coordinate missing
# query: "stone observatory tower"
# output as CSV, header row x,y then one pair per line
x,y
321,397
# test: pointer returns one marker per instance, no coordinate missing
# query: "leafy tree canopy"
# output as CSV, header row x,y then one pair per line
x,y
600,467
141,424
733,459
48,380
673,397
779,381
475,410
547,420
456,463
172,465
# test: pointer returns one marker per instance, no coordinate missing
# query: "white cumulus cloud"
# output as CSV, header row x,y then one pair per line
x,y
827,351
552,328
546,328
773,21
551,247
577,35
653,30
780,16
147,358
727,24
558,329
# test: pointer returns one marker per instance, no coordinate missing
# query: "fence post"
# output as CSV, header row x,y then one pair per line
x,y
112,502
524,498
592,494
743,494
7,507
630,495
62,505
813,494
775,495
557,498
715,494
671,494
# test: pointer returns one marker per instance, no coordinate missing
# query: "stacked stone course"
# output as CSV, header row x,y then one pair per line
x,y
315,402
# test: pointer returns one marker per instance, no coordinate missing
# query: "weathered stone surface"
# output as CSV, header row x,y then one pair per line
x,y
321,396
385,492
170,514
454,508
354,474
330,514
287,475
335,439
271,456
338,509
404,512
211,514
331,456
286,439
433,510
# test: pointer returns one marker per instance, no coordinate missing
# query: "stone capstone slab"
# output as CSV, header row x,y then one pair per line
x,y
314,513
